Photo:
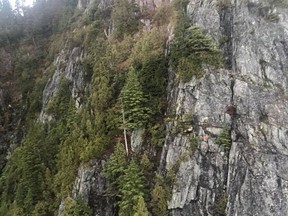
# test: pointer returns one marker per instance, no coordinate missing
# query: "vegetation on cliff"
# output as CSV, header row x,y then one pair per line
x,y
125,72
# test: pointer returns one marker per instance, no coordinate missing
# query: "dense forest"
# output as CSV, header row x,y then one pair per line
x,y
121,54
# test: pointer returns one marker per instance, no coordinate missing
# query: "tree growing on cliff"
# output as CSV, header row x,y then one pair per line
x,y
140,209
135,113
115,168
131,190
125,18
191,49
159,198
134,102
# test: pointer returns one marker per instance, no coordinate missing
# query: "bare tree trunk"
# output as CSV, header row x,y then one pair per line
x,y
124,131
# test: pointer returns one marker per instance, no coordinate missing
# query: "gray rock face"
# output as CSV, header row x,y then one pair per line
x,y
137,139
202,172
70,68
253,174
89,186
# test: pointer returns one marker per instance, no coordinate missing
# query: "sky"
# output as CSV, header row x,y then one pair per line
x,y
27,3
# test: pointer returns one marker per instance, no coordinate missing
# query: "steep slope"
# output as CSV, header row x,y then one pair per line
x,y
206,127
251,175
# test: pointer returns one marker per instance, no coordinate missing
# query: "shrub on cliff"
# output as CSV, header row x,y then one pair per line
x,y
190,50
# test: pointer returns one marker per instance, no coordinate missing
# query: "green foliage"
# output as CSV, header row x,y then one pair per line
x,y
68,162
131,189
194,142
148,58
220,206
190,50
134,102
159,198
164,15
125,19
59,105
156,135
126,183
115,168
101,92
94,148
22,177
34,98
140,209
76,208
28,61
224,139
145,164
42,170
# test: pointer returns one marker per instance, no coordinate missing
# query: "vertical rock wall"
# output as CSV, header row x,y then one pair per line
x,y
252,175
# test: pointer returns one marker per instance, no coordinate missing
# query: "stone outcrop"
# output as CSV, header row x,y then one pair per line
x,y
90,187
70,68
251,176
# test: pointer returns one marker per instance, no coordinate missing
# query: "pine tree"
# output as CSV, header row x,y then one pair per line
x,y
140,209
159,200
114,169
131,189
191,49
124,17
134,102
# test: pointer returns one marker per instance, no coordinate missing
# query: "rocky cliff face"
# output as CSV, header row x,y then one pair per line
x,y
251,175
68,65
246,102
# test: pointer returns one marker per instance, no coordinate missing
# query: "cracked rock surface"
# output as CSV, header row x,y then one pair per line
x,y
252,175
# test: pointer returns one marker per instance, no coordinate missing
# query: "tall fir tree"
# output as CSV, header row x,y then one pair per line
x,y
132,188
134,102
115,169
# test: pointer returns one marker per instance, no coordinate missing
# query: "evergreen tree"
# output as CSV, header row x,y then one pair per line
x,y
159,200
114,169
131,189
125,18
140,209
68,162
191,49
76,208
134,102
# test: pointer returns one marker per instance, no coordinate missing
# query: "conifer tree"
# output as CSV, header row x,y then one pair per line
x,y
115,168
191,49
131,189
140,209
124,17
159,200
134,102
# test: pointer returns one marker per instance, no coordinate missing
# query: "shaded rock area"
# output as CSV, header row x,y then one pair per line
x,y
90,187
